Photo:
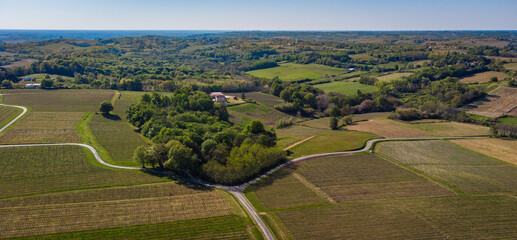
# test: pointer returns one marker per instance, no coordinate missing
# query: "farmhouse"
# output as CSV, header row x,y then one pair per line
x,y
28,79
218,97
32,85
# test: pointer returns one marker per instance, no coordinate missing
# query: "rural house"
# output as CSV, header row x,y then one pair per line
x,y
32,85
218,97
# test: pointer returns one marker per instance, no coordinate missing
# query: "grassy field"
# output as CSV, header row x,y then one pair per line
x,y
429,218
511,66
32,170
501,149
57,100
362,57
244,113
400,129
346,88
497,104
295,133
262,98
333,141
392,76
368,116
7,114
295,72
462,169
483,77
118,138
508,120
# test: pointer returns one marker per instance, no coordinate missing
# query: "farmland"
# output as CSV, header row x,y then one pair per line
x,y
346,88
296,72
262,98
32,170
399,129
429,218
119,139
333,141
244,113
108,208
57,100
511,66
498,103
483,77
501,149
392,76
7,114
287,136
464,170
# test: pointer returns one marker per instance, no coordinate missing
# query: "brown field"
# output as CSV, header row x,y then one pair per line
x,y
21,63
400,129
39,136
513,113
501,149
511,66
98,209
368,116
66,100
508,59
483,77
428,218
386,128
497,104
392,76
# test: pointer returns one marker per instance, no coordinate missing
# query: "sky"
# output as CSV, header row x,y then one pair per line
x,y
259,14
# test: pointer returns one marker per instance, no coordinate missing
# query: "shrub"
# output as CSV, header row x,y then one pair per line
x,y
285,122
286,108
105,107
333,123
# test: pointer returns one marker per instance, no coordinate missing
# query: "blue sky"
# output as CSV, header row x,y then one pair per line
x,y
259,15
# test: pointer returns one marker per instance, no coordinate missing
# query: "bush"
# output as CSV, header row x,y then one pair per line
x,y
47,83
406,114
333,124
285,122
6,84
286,108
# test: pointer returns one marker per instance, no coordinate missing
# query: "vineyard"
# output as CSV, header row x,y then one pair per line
x,y
7,114
498,103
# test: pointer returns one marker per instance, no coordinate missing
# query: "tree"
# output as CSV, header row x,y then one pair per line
x,y
333,123
494,79
47,83
7,84
105,108
141,156
181,158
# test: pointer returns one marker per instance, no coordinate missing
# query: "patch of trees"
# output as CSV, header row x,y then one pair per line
x,y
191,135
504,130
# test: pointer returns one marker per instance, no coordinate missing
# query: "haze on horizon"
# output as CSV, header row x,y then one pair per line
x,y
259,15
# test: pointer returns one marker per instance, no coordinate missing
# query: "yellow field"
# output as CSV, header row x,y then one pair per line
x,y
483,77
393,76
505,150
399,129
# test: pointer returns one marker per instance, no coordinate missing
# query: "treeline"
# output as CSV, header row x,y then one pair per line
x,y
191,135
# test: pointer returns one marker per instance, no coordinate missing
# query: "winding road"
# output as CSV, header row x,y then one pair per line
x,y
237,190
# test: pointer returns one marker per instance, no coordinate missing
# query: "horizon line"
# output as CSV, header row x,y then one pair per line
x,y
259,30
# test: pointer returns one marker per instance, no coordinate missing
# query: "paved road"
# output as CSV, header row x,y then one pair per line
x,y
16,118
234,190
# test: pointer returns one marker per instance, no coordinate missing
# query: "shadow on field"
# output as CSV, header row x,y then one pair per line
x,y
278,175
177,179
111,117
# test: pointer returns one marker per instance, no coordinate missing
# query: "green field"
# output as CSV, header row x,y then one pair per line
x,y
392,76
462,169
244,113
118,138
287,136
333,141
296,72
346,88
66,100
7,114
262,98
508,120
32,170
